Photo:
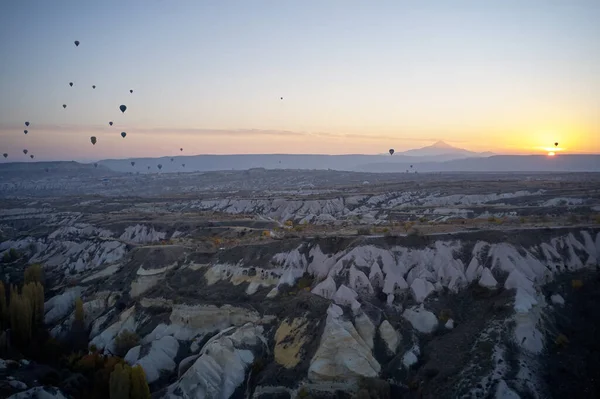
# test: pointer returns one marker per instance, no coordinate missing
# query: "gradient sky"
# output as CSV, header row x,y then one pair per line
x,y
509,76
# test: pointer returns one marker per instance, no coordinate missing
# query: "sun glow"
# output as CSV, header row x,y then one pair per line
x,y
551,154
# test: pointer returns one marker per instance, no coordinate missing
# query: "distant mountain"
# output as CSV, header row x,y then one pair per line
x,y
444,150
362,163
497,163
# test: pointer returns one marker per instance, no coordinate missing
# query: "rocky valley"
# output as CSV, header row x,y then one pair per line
x,y
321,284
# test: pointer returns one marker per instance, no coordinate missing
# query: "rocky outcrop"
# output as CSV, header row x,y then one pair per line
x,y
159,357
222,365
342,354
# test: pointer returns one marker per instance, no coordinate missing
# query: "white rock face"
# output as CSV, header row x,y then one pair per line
x,y
141,234
503,391
557,299
365,328
61,305
487,280
160,357
221,367
422,320
421,289
106,339
449,324
390,336
342,354
409,359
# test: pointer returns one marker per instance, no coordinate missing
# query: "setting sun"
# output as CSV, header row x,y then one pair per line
x,y
551,154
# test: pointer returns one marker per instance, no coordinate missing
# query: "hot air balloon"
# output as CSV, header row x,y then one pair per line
x,y
171,159
131,91
71,84
123,134
123,108
95,165
183,165
391,151
5,155
76,43
25,131
26,123
556,144
411,166
110,123
148,167
132,163
181,149
93,86
159,166
31,156
64,105
25,152
93,140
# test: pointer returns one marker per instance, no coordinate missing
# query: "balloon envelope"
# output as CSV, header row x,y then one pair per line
x,y
94,86
25,152
76,42
556,144
159,166
123,108
110,123
132,163
25,131
31,156
123,134
131,91
64,105
26,123
93,140
5,155
71,84
391,151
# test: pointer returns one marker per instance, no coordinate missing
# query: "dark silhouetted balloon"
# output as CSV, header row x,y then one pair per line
x,y
5,155
110,123
64,105
183,165
71,84
123,108
25,152
556,144
76,43
281,98
148,167
93,140
123,134
131,91
132,163
391,151
411,166
25,131
95,165
181,149
159,166
94,86
171,159
31,156
26,123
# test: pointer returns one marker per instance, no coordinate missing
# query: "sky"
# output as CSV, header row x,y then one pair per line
x,y
508,76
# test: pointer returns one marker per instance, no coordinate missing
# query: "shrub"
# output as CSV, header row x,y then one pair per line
x,y
576,284
363,231
305,281
3,308
408,226
79,315
491,219
34,274
119,384
10,256
139,386
125,341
